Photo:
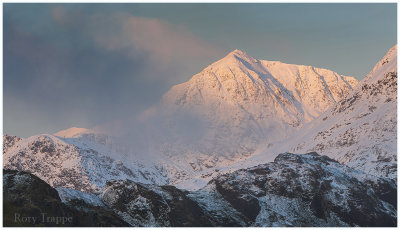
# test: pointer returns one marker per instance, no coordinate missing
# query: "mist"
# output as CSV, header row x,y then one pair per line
x,y
84,69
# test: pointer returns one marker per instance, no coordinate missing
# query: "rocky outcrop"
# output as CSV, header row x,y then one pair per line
x,y
149,205
9,141
30,202
304,190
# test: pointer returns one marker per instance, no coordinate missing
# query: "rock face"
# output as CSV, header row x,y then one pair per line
x,y
149,205
361,129
25,195
301,190
9,141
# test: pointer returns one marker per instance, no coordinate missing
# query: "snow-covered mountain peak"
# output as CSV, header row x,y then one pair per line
x,y
237,103
388,62
300,92
72,132
239,55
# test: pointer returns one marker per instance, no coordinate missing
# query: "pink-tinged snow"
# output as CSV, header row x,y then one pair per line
x,y
226,112
362,136
71,132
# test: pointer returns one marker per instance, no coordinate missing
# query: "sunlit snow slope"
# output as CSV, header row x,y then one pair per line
x,y
360,130
221,115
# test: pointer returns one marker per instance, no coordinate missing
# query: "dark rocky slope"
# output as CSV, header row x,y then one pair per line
x,y
149,205
29,201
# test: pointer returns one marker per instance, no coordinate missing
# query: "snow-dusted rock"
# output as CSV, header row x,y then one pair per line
x,y
361,129
294,190
153,206
74,163
9,141
301,190
67,195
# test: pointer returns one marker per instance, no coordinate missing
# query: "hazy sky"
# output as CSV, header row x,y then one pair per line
x,y
86,64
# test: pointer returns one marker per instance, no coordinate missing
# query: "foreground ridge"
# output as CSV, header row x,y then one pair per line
x,y
294,190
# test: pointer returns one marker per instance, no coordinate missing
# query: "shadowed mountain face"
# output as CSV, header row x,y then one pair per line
x,y
28,201
147,205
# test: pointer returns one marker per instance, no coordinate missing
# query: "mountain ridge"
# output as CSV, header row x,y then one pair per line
x,y
245,71
218,118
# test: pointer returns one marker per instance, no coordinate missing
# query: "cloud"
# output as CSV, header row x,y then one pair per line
x,y
164,41
122,32
92,67
59,14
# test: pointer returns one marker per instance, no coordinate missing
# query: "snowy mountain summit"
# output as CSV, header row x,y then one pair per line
x,y
262,88
72,132
240,102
